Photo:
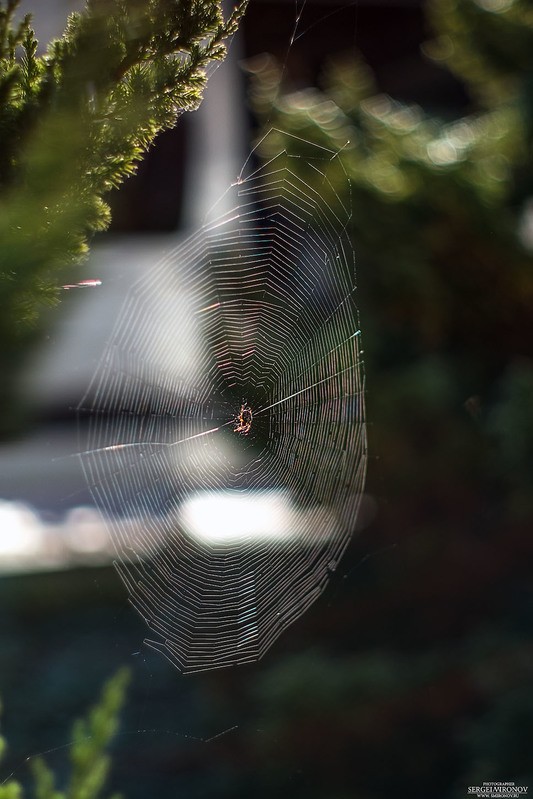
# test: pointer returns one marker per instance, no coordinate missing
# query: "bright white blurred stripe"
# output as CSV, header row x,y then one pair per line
x,y
20,531
235,516
29,543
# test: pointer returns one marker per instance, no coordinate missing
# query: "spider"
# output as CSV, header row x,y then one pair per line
x,y
243,421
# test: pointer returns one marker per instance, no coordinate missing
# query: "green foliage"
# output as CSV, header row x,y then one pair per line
x,y
90,762
488,43
437,207
74,124
445,292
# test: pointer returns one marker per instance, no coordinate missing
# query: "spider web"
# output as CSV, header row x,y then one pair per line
x,y
225,536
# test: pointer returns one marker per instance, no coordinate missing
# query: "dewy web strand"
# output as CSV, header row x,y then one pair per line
x,y
225,439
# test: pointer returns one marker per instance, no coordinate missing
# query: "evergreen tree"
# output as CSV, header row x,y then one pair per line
x,y
431,678
440,208
74,123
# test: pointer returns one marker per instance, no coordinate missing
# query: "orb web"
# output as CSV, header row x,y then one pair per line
x,y
225,441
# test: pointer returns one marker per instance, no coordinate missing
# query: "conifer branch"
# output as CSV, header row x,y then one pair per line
x,y
75,122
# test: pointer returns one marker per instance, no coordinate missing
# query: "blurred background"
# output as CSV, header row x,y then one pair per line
x,y
412,675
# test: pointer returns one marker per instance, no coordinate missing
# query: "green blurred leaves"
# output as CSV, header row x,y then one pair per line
x,y
89,758
445,290
436,206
